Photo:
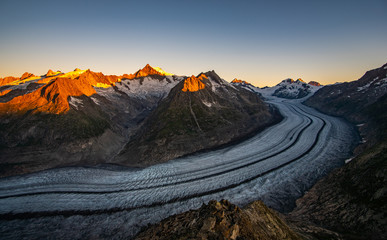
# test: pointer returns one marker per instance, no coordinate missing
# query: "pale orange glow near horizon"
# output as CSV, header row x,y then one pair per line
x,y
256,78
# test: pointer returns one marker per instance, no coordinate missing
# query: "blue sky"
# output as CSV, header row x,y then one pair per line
x,y
262,42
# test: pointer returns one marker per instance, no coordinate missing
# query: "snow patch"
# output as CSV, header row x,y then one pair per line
x,y
75,102
214,85
95,100
207,103
348,160
365,87
148,86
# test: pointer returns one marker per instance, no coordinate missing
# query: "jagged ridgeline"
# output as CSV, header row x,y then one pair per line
x,y
84,117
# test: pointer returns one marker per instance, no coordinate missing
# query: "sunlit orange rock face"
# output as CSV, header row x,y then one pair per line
x,y
5,92
6,80
146,71
50,73
51,98
56,88
95,79
27,75
193,84
239,81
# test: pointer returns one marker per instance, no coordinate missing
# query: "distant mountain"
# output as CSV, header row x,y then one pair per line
x,y
147,71
84,117
291,89
245,85
222,220
201,112
313,83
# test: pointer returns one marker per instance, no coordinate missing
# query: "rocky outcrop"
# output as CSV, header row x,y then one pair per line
x,y
222,220
239,81
193,84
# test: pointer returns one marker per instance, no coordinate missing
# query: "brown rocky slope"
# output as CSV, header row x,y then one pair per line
x,y
222,220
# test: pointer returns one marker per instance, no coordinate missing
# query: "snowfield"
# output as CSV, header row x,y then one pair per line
x,y
277,166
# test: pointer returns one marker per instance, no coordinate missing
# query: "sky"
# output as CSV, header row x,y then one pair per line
x,y
262,42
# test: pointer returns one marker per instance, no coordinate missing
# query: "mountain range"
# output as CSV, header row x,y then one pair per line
x,y
151,116
288,88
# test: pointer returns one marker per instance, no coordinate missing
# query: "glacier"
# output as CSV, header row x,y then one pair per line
x,y
277,166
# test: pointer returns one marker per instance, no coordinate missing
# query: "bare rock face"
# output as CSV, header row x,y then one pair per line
x,y
222,220
235,80
26,75
193,84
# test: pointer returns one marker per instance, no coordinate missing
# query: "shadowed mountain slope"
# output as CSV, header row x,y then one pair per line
x,y
199,113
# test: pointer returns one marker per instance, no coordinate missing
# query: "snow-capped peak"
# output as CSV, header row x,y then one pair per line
x,y
160,70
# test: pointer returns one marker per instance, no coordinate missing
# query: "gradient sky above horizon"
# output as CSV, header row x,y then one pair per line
x,y
262,42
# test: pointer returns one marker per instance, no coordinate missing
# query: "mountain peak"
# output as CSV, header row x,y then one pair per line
x,y
193,84
51,73
27,75
235,80
314,83
149,70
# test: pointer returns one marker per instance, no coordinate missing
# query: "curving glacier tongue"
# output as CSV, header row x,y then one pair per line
x,y
277,166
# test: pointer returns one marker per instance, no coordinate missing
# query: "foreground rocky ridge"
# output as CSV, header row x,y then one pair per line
x,y
350,201
222,220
